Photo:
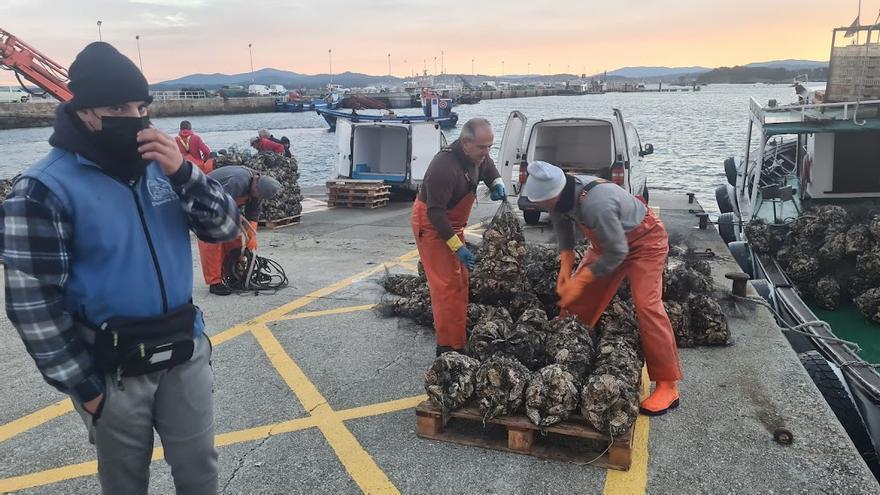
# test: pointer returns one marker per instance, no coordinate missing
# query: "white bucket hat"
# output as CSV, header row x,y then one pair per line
x,y
545,181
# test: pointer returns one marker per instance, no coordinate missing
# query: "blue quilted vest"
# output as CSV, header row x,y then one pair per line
x,y
130,249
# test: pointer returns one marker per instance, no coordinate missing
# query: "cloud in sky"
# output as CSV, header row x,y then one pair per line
x,y
180,37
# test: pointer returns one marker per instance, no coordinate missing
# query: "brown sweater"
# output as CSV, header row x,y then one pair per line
x,y
450,177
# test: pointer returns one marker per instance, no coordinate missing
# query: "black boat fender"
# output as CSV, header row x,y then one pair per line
x,y
762,287
722,198
726,223
730,170
840,400
742,254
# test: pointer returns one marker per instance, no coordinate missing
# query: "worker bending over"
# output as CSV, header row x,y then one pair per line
x,y
193,148
249,189
265,144
439,216
627,240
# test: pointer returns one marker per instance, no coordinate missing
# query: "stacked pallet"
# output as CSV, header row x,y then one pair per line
x,y
358,193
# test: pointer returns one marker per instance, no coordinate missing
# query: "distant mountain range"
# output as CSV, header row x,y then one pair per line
x,y
357,80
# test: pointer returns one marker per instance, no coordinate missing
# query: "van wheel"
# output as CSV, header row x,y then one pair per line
x,y
841,403
532,217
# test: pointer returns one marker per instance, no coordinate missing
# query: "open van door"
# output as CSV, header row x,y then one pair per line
x,y
343,148
511,149
622,152
425,143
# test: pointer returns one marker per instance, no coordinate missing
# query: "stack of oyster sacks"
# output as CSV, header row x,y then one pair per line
x,y
288,202
688,296
831,253
520,360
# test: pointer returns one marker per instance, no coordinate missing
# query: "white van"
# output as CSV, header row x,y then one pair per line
x,y
608,148
13,95
277,90
259,90
395,153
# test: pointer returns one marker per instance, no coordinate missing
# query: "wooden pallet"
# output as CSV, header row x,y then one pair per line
x,y
356,184
279,222
367,204
574,440
355,195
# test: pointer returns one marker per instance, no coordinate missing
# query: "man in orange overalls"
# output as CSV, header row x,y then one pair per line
x,y
439,216
193,148
249,189
627,240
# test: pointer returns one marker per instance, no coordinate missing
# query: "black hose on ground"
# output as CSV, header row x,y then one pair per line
x,y
248,272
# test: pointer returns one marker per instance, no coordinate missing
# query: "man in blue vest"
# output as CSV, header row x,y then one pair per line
x,y
99,276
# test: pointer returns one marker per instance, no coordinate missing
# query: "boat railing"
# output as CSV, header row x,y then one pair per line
x,y
765,115
178,95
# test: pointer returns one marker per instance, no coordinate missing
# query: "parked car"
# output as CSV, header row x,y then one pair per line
x,y
609,148
13,95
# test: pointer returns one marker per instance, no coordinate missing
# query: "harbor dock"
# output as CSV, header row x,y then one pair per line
x,y
315,393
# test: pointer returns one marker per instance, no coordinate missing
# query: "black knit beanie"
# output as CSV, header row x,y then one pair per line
x,y
102,77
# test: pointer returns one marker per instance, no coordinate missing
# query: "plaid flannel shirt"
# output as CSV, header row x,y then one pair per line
x,y
34,245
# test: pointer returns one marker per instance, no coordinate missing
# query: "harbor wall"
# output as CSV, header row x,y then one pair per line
x,y
41,114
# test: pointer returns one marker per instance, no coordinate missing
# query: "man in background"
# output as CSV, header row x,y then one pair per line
x,y
249,189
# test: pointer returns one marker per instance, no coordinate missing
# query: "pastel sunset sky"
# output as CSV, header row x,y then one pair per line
x,y
180,37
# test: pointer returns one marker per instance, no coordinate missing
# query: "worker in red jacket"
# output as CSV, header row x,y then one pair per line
x,y
263,144
193,148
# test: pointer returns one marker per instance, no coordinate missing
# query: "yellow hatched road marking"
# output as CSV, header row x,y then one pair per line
x,y
35,419
326,312
357,461
634,481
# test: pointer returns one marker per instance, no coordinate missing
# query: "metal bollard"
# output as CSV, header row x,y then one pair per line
x,y
691,198
739,282
704,220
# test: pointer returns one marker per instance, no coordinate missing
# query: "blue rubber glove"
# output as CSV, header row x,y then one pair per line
x,y
498,192
467,259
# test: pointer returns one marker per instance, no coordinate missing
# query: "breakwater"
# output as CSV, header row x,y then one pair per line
x,y
41,114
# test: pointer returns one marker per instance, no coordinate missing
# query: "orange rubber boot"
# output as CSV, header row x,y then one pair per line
x,y
664,398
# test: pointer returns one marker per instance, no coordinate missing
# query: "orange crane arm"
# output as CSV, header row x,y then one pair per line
x,y
34,66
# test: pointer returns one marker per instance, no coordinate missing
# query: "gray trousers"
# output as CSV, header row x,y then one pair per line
x,y
178,403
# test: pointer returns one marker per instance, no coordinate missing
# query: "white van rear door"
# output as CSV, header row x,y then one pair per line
x,y
343,148
511,149
425,143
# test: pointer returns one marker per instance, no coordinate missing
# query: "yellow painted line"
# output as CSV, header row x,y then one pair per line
x,y
48,476
326,312
229,334
408,265
383,408
35,419
634,481
357,461
261,432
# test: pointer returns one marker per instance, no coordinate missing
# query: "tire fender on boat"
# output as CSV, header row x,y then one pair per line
x,y
722,198
726,227
742,254
839,398
762,287
730,170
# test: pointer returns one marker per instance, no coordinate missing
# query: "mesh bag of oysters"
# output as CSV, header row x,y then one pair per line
x,y
696,315
500,269
832,254
610,397
288,201
451,380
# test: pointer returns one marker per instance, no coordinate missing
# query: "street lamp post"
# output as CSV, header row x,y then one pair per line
x,y
442,62
472,68
99,31
140,60
435,66
251,52
389,64
330,56
502,68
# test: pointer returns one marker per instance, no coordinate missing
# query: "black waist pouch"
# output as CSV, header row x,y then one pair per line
x,y
130,346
